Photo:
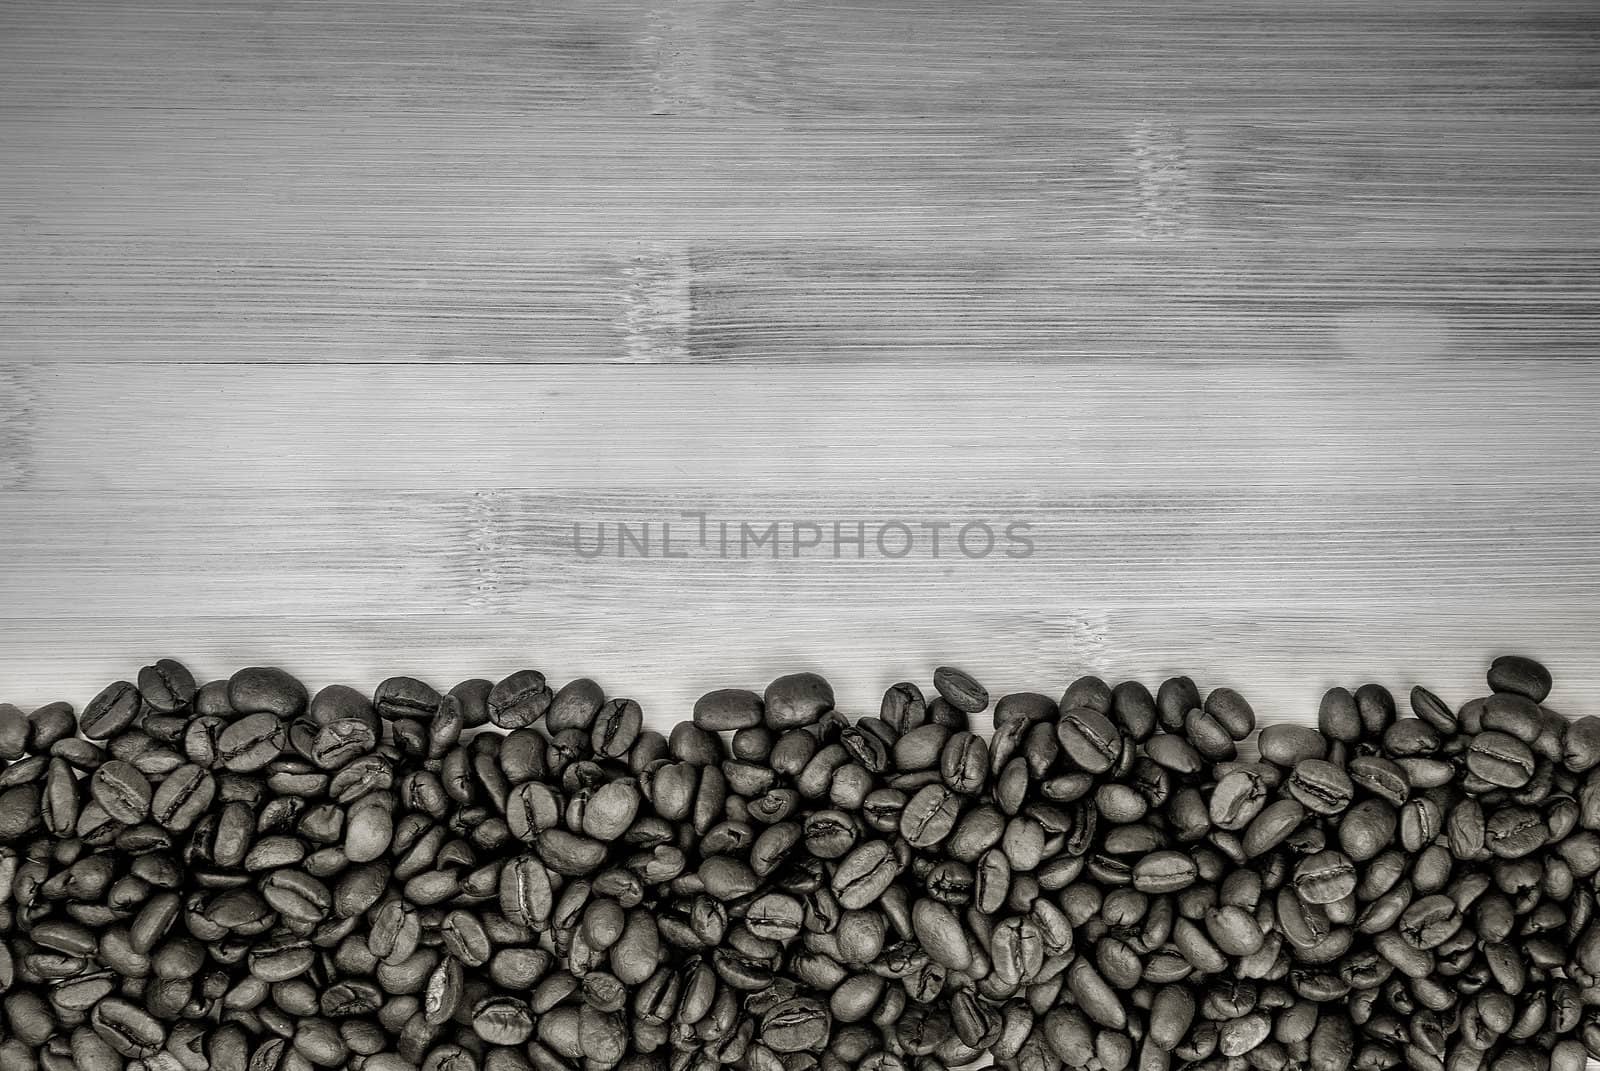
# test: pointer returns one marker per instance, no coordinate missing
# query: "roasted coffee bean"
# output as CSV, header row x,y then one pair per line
x,y
1520,676
1286,745
251,742
167,686
519,700
266,690
1501,759
930,815
728,709
960,690
1239,796
616,727
796,700
1089,739
1276,822
122,790
129,1029
1367,829
964,762
110,712
1320,786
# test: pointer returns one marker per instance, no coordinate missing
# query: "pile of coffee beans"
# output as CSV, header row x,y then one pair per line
x,y
244,876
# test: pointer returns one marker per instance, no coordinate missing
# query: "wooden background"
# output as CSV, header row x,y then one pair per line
x,y
322,322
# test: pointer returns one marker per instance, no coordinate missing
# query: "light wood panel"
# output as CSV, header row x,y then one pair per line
x,y
398,554
1139,431
219,299
909,57
198,236
1460,180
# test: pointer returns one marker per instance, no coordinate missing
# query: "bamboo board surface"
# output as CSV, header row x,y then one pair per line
x,y
332,332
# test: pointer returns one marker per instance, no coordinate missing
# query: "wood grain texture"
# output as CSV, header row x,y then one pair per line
x,y
386,300
323,323
1309,526
1142,430
514,238
909,57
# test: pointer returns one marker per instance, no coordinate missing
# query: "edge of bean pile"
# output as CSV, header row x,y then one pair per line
x,y
244,876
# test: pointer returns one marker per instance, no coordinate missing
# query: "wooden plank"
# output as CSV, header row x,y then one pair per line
x,y
211,298
1144,428
665,654
1425,545
518,182
912,57
1051,301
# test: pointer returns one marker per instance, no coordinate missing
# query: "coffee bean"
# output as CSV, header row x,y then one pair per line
x,y
728,709
795,1026
1175,698
1320,786
1273,826
1501,759
865,874
127,1028
1367,829
266,690
617,725
1520,676
904,707
1324,878
1089,739
964,762
1287,745
251,742
1164,872
110,712
796,700
930,815
519,700
960,690
1232,712
122,790
938,929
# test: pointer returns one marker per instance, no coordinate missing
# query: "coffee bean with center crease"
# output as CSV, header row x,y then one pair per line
x,y
122,790
904,707
1089,739
110,712
795,1026
127,1028
930,815
1324,878
252,742
1320,786
167,686
519,700
616,727
1164,872
864,875
1501,759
